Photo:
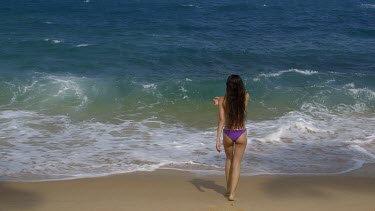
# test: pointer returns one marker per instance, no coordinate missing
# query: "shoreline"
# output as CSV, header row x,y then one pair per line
x,y
182,190
365,170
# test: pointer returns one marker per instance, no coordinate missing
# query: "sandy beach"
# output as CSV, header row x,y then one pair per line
x,y
179,190
93,90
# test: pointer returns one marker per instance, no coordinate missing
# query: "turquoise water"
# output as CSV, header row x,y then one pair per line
x,y
91,88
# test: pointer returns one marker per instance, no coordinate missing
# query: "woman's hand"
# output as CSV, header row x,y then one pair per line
x,y
218,145
215,101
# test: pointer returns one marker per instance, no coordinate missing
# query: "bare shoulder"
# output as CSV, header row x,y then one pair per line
x,y
247,96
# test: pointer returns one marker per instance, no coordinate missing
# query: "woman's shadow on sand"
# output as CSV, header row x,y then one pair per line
x,y
16,199
202,184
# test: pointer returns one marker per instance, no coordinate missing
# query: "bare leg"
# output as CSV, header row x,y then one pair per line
x,y
239,149
228,147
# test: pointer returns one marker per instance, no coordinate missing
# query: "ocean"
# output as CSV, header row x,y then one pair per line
x,y
93,87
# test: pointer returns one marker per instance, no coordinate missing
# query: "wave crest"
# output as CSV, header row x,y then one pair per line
x,y
279,73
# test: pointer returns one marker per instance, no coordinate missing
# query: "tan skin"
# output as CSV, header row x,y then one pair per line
x,y
233,150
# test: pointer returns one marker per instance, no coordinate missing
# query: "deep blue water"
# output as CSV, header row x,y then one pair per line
x,y
182,38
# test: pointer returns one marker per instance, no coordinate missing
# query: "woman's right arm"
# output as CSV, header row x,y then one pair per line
x,y
220,124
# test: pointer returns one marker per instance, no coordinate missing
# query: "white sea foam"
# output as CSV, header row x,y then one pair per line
x,y
82,45
68,86
360,93
54,41
368,5
187,5
183,89
363,151
357,108
50,89
349,85
13,114
292,125
149,86
313,139
330,81
296,143
279,73
371,137
89,147
190,5
366,92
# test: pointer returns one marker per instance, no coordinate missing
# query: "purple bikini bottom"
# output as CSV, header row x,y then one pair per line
x,y
234,134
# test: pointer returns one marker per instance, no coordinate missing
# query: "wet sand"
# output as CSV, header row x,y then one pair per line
x,y
180,190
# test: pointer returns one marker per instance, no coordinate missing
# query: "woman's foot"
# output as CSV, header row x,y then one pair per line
x,y
231,197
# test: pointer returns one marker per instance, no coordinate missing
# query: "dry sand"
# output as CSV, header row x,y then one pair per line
x,y
178,190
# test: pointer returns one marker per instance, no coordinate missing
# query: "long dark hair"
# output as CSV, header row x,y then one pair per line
x,y
235,102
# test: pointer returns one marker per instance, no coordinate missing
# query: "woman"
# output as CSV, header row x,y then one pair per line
x,y
232,114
